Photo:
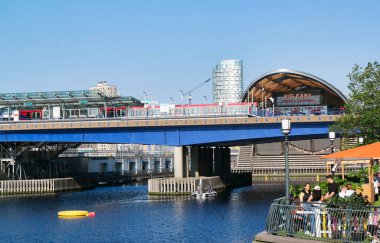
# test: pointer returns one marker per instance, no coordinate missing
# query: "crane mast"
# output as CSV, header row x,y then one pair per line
x,y
188,93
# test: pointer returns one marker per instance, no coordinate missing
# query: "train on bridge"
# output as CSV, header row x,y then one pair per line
x,y
161,111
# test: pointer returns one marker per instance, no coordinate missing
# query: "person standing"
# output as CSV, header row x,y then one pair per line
x,y
332,188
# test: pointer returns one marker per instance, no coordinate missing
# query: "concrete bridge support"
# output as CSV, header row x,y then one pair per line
x,y
195,160
180,162
209,161
222,161
205,161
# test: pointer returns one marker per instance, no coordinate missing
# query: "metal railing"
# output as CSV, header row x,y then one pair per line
x,y
332,223
243,110
118,154
124,174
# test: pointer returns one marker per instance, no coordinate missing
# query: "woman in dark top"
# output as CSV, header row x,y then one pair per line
x,y
305,193
316,195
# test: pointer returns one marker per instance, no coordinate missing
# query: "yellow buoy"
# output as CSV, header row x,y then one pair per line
x,y
73,213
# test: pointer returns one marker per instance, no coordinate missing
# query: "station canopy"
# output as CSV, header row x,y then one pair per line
x,y
74,98
288,81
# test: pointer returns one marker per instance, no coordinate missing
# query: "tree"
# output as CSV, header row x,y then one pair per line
x,y
362,116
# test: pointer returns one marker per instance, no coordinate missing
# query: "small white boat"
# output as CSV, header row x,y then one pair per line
x,y
203,195
200,193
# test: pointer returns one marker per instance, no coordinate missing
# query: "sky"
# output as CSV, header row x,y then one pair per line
x,y
162,47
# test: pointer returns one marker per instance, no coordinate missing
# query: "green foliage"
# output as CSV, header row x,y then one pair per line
x,y
356,201
355,178
363,109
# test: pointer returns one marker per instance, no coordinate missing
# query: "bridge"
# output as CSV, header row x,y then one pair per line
x,y
209,139
172,132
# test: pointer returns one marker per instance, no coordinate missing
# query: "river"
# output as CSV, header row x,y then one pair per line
x,y
128,214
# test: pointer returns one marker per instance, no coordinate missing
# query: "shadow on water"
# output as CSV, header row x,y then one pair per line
x,y
127,214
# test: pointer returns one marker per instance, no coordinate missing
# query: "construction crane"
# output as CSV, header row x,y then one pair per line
x,y
188,93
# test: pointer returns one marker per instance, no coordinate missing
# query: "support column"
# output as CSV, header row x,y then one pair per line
x,y
179,162
194,171
162,164
205,161
218,162
227,160
222,161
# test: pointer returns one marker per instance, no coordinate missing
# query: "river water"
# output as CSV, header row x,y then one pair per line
x,y
128,214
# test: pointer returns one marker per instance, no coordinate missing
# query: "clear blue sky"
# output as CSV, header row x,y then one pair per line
x,y
162,46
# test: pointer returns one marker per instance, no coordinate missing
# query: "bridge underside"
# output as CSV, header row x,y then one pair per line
x,y
171,136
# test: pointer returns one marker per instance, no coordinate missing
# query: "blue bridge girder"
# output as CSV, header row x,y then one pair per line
x,y
172,132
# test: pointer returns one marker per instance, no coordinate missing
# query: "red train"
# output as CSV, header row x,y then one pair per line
x,y
163,110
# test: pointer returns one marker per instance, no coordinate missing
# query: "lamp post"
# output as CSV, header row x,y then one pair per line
x,y
332,137
285,128
361,141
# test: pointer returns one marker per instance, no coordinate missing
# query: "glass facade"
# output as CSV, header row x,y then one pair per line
x,y
228,81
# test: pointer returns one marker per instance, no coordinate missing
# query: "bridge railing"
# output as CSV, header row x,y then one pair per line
x,y
204,111
323,222
119,154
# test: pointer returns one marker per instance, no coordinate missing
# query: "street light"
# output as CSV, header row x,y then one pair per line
x,y
285,128
332,137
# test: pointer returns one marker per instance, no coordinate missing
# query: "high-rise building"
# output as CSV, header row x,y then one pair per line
x,y
105,88
228,81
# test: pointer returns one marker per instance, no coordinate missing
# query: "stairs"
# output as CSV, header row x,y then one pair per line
x,y
245,157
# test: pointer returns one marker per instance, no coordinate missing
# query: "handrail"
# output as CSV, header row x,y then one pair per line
x,y
323,222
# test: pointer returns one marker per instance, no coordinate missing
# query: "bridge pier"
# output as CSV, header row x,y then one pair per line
x,y
195,157
222,161
180,162
211,164
209,161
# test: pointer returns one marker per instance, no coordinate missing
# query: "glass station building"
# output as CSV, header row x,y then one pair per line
x,y
291,93
287,92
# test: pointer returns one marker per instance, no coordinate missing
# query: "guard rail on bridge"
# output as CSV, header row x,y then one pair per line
x,y
119,122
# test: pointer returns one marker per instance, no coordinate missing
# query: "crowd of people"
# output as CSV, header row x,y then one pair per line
x,y
316,195
311,200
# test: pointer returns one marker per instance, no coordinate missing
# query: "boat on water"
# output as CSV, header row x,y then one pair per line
x,y
200,193
204,195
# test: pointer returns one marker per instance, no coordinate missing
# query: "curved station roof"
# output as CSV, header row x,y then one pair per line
x,y
288,81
